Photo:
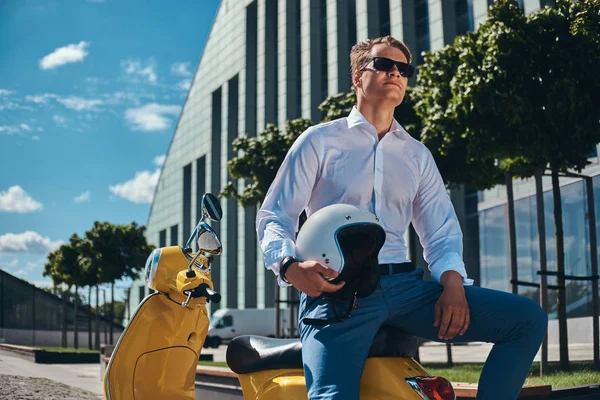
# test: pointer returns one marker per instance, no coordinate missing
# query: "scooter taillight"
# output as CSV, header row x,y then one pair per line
x,y
434,387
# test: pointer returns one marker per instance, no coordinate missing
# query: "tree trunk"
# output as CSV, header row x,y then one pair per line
x,y
560,277
512,235
96,318
112,311
90,317
541,224
104,316
64,321
75,327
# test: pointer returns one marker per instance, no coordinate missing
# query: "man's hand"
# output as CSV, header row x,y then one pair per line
x,y
451,309
310,278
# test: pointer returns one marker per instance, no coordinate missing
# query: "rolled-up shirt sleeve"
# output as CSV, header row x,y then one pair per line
x,y
435,221
288,195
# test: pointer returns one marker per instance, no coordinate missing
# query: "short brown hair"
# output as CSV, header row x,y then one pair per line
x,y
361,51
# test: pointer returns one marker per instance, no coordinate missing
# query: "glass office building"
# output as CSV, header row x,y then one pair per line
x,y
267,61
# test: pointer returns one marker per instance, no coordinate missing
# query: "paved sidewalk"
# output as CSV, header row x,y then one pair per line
x,y
81,376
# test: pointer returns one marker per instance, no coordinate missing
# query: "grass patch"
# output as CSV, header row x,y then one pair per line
x,y
582,373
213,363
67,350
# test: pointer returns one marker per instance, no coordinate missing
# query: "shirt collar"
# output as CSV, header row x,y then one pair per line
x,y
355,118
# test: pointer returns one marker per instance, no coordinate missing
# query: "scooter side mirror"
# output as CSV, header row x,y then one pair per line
x,y
211,208
208,241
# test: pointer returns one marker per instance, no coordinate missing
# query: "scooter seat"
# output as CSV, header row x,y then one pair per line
x,y
249,353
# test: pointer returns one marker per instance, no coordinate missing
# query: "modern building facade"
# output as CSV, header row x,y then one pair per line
x,y
267,61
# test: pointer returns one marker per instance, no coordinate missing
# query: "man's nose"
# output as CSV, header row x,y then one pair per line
x,y
394,72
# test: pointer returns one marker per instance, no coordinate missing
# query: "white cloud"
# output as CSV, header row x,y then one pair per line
x,y
35,138
138,190
94,80
83,197
151,117
79,103
159,160
9,265
40,129
30,267
181,69
27,242
25,127
40,98
59,119
135,67
64,55
185,84
5,92
17,200
43,284
9,130
72,102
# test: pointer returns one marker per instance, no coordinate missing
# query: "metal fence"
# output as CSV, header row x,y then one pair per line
x,y
31,316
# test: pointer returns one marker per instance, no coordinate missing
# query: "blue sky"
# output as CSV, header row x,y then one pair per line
x,y
90,93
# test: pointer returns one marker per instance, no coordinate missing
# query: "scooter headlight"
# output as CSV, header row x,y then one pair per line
x,y
151,266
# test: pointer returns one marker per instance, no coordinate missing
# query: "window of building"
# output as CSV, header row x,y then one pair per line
x,y
200,184
271,57
251,68
215,168
141,293
232,215
463,11
493,243
174,235
422,29
384,17
187,201
162,238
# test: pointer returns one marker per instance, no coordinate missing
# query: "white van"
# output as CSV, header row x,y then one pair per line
x,y
227,323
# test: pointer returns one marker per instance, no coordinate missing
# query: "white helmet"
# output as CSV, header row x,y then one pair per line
x,y
346,239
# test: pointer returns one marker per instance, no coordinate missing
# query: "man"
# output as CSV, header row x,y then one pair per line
x,y
368,160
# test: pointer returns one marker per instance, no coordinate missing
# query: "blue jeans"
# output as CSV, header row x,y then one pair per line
x,y
515,324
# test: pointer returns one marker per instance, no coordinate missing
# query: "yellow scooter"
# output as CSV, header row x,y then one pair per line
x,y
157,354
271,369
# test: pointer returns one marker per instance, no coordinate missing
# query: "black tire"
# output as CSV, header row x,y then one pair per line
x,y
215,342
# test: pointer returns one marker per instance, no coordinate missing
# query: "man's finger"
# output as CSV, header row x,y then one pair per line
x,y
458,321
446,318
327,273
438,315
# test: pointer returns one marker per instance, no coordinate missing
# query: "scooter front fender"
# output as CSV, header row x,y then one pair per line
x,y
157,354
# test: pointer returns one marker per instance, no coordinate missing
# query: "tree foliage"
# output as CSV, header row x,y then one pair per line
x,y
116,251
260,158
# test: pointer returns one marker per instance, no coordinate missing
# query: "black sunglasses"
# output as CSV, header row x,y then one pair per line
x,y
387,64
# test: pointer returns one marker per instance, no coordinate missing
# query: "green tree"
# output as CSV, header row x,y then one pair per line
x,y
64,267
522,90
117,251
260,158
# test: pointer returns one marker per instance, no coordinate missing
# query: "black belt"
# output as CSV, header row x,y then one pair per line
x,y
389,269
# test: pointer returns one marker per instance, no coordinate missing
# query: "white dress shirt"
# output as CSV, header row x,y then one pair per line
x,y
396,178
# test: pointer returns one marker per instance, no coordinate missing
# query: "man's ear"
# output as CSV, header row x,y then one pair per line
x,y
356,79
